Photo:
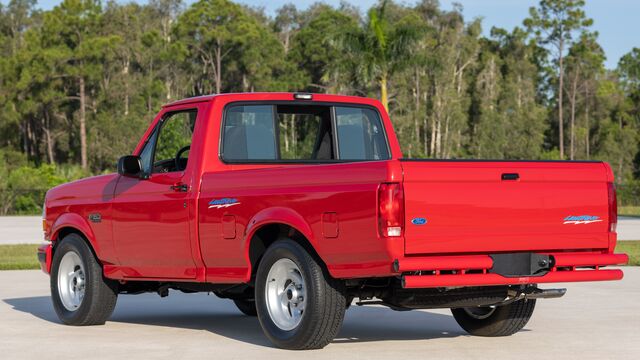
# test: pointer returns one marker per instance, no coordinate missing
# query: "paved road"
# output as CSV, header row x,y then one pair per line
x,y
593,321
628,228
28,229
21,230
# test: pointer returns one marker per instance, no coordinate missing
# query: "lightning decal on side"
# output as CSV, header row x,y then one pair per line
x,y
582,219
223,203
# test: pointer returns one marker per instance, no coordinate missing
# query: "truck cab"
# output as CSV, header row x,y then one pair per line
x,y
293,205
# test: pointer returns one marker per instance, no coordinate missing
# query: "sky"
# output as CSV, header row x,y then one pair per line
x,y
615,20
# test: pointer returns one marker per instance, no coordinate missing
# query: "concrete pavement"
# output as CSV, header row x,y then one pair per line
x,y
21,230
628,228
593,321
28,229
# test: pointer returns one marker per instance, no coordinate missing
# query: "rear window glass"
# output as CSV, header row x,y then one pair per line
x,y
304,132
293,132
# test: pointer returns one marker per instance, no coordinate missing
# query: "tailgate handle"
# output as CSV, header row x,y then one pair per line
x,y
510,176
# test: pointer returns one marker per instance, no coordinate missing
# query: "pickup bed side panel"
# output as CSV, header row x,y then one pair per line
x,y
340,196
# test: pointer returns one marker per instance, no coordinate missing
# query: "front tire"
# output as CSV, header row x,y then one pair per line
x,y
79,292
300,306
495,321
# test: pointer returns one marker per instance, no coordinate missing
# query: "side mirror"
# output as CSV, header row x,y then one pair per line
x,y
130,166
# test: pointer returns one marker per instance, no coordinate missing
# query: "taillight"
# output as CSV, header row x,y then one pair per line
x,y
613,207
390,210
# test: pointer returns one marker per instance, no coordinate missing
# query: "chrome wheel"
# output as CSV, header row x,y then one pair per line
x,y
480,312
285,294
71,281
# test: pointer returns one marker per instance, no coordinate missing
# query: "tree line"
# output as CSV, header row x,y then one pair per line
x,y
80,83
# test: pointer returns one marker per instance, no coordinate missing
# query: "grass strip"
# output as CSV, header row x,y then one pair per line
x,y
631,248
629,211
19,257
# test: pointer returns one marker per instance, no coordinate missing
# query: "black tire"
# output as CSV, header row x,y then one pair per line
x,y
246,306
325,300
100,294
504,321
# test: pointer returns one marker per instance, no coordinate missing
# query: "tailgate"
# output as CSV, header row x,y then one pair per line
x,y
482,206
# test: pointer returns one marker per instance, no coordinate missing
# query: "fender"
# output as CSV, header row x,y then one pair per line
x,y
77,222
280,215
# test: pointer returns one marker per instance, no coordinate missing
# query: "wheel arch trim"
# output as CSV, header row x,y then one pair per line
x,y
276,216
77,224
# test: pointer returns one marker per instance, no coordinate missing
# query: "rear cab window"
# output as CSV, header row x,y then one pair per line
x,y
295,133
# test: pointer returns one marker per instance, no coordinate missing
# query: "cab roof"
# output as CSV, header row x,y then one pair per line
x,y
258,96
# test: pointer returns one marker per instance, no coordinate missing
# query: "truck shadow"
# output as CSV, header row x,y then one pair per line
x,y
201,312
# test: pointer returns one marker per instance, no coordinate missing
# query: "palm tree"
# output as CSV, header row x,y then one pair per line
x,y
377,49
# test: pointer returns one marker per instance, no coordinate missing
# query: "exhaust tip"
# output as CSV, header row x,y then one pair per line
x,y
545,293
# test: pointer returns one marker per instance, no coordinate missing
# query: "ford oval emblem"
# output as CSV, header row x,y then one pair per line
x,y
418,221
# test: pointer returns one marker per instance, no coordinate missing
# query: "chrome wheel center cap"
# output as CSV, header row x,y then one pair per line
x,y
285,293
71,281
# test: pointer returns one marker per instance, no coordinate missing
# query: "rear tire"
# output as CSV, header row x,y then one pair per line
x,y
81,295
300,306
499,321
246,306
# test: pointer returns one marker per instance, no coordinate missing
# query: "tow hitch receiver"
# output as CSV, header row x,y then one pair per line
x,y
521,264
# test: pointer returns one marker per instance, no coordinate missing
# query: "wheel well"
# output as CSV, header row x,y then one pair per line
x,y
270,233
62,233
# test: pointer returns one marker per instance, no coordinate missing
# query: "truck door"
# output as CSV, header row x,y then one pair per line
x,y
151,221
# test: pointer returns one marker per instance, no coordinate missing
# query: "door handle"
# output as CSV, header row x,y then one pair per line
x,y
510,176
179,187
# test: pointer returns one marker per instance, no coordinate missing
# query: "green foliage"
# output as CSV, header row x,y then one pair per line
x,y
554,21
554,25
222,38
176,133
314,49
629,71
23,186
629,194
379,48
451,92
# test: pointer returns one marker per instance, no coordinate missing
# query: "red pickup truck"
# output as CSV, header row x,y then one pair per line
x,y
293,205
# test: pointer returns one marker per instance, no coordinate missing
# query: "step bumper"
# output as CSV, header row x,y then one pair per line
x,y
475,270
